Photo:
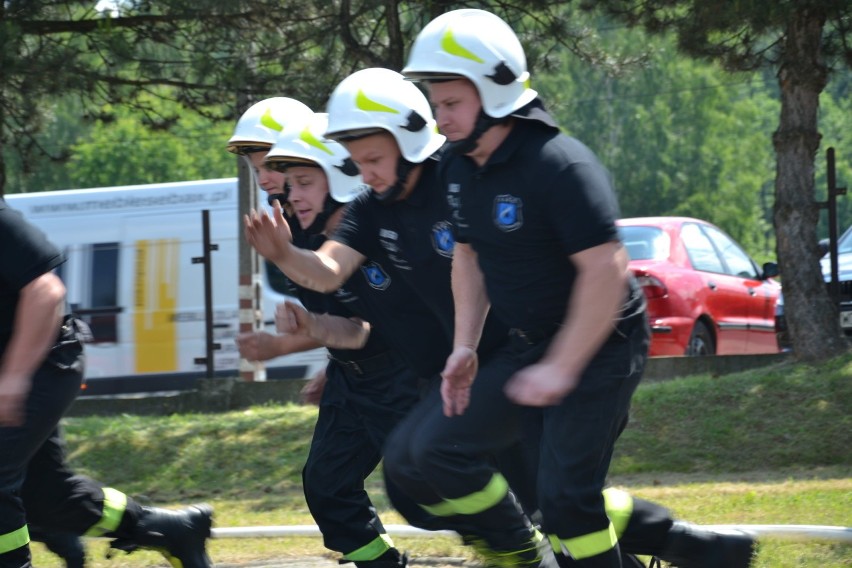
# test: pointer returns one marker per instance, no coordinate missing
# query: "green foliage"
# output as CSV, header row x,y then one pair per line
x,y
740,34
836,128
786,417
212,57
680,137
46,170
129,148
234,454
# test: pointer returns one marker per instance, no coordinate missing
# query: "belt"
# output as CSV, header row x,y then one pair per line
x,y
533,336
381,362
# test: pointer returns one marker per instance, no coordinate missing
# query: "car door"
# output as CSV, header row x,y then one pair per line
x,y
724,298
760,298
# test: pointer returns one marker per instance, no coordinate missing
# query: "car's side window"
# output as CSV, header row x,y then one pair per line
x,y
737,261
701,253
845,243
645,243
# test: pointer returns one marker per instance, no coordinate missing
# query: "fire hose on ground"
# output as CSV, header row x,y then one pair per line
x,y
788,532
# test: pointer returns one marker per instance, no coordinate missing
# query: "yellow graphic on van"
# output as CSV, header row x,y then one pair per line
x,y
156,285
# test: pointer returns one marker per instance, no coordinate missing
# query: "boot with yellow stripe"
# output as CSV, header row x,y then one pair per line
x,y
529,550
68,546
391,558
179,535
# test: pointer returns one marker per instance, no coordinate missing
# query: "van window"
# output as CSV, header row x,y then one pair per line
x,y
60,270
102,305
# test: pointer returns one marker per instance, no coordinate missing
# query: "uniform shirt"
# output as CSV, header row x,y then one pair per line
x,y
377,294
25,254
415,235
541,197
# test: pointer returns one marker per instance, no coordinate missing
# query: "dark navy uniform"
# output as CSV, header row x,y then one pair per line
x,y
415,234
369,390
541,197
523,222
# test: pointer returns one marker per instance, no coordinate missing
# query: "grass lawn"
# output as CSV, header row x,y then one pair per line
x,y
767,446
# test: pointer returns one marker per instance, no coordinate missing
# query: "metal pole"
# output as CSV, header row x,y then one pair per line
x,y
207,261
834,283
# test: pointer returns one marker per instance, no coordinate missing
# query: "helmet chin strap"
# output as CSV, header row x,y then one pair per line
x,y
403,169
281,198
482,124
329,207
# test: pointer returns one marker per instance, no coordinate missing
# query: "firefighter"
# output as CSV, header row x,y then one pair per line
x,y
537,244
369,386
41,370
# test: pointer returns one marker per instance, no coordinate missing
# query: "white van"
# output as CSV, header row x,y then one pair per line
x,y
131,276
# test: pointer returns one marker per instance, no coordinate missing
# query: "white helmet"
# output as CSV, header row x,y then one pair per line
x,y
307,146
378,99
261,124
477,45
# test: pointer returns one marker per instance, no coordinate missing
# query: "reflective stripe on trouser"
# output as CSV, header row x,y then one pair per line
x,y
444,464
115,503
577,441
474,503
355,417
14,540
371,551
619,508
587,545
492,522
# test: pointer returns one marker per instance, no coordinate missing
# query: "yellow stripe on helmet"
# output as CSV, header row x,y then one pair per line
x,y
269,122
363,102
451,46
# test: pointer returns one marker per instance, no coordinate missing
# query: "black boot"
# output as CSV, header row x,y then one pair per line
x,y
178,535
690,546
67,546
609,558
390,559
630,561
525,549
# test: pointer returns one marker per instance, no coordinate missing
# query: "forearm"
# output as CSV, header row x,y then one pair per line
x,y
339,332
37,321
286,344
310,269
597,296
469,297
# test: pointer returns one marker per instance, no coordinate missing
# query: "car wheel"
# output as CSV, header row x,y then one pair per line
x,y
700,341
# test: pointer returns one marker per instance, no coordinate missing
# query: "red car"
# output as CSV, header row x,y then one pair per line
x,y
706,296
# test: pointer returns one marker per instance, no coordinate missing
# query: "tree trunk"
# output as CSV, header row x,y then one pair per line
x,y
812,318
2,113
2,170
